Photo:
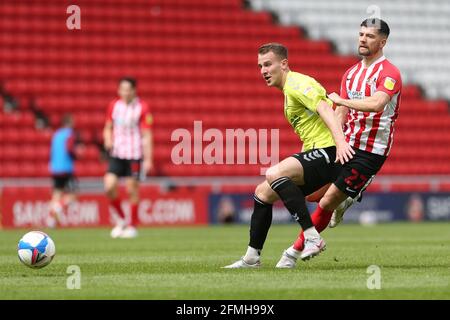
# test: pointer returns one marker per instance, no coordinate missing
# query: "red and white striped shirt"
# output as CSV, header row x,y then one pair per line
x,y
128,121
372,131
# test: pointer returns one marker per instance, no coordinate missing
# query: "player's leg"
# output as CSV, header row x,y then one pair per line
x,y
71,187
322,215
111,187
318,194
354,180
260,223
132,187
56,207
284,179
132,174
338,213
319,170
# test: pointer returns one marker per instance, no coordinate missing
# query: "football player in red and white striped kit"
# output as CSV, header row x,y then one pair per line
x,y
128,139
367,107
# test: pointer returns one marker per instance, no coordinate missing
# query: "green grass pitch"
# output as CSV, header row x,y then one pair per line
x,y
184,263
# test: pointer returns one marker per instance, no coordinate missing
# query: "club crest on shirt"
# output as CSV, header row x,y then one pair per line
x,y
149,119
371,81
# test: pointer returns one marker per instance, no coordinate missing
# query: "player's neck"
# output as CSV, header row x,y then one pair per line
x,y
283,80
368,60
128,102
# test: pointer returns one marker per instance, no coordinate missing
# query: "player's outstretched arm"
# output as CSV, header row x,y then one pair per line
x,y
375,103
344,151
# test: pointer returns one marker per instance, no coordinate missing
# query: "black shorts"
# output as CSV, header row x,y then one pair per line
x,y
65,182
358,173
319,168
125,168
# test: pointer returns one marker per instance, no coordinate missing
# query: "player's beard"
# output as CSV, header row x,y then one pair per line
x,y
365,52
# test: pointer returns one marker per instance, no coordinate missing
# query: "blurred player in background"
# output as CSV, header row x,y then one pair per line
x,y
368,107
128,139
63,153
311,114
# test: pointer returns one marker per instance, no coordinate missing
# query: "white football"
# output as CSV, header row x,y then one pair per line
x,y
36,249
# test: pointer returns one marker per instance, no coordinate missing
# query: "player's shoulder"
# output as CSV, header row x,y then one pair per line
x,y
352,68
297,80
143,104
298,77
390,69
113,102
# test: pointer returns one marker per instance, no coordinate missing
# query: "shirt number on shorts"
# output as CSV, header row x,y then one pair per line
x,y
356,181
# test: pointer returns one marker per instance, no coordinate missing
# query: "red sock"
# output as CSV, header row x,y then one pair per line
x,y
320,219
134,214
116,205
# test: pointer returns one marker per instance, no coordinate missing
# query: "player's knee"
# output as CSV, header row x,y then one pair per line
x,y
273,173
110,191
265,193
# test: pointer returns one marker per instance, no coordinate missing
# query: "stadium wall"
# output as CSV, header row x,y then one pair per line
x,y
190,202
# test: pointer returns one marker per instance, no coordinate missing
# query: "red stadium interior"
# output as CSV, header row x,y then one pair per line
x,y
194,60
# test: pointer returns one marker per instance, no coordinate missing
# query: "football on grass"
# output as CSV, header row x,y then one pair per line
x,y
36,249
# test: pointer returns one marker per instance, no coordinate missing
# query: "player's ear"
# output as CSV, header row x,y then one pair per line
x,y
383,42
284,64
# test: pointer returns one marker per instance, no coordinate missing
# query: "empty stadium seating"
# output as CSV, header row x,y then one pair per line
x,y
194,60
419,43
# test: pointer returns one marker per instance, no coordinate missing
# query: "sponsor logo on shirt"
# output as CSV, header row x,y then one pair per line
x,y
356,94
389,83
149,119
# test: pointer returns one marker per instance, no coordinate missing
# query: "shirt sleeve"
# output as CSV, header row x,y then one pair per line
x,y
311,95
109,112
344,93
146,121
390,82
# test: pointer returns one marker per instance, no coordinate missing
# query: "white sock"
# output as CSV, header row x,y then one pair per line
x,y
311,233
252,255
292,252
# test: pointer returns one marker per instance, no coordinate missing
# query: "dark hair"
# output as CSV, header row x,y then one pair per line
x,y
130,80
277,48
66,120
379,24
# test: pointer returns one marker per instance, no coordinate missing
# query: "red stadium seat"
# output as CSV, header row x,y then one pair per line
x,y
195,60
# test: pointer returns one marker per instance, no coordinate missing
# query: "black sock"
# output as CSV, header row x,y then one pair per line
x,y
260,223
294,200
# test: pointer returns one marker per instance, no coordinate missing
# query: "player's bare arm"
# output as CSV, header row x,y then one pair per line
x,y
341,114
108,135
147,146
343,150
375,103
